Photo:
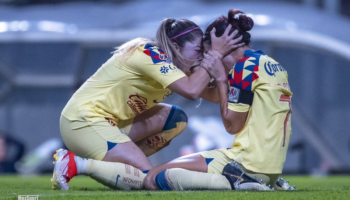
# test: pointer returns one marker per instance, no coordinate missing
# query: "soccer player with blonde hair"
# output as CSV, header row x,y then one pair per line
x,y
116,118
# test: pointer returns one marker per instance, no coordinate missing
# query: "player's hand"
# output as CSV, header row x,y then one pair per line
x,y
225,44
213,64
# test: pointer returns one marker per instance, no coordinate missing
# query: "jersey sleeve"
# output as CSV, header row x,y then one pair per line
x,y
238,107
151,61
244,76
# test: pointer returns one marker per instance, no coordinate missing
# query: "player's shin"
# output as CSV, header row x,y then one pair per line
x,y
182,179
112,174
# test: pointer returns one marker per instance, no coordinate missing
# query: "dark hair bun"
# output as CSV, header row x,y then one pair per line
x,y
245,23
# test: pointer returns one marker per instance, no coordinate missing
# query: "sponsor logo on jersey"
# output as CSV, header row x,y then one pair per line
x,y
164,70
271,69
167,69
137,103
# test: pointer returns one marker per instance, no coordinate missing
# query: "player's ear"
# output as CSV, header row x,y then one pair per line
x,y
176,46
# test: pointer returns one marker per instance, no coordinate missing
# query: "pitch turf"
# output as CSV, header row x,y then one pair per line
x,y
308,188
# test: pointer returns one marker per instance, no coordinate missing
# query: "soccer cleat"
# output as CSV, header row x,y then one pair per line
x,y
65,169
283,185
240,180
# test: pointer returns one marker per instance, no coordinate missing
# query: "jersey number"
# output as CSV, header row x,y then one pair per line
x,y
285,99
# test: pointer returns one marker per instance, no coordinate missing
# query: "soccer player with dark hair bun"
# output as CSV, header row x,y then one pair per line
x,y
255,104
116,118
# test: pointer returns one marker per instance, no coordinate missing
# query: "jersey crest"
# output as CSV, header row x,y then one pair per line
x,y
155,53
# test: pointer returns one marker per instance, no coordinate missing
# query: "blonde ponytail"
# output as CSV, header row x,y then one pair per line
x,y
127,49
164,41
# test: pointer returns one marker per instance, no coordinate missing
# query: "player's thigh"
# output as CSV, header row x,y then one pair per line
x,y
216,160
91,139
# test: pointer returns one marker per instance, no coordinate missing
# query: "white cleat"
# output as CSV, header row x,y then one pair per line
x,y
252,186
283,185
65,169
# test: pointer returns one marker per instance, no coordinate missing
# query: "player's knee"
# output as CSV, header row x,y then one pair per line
x,y
176,121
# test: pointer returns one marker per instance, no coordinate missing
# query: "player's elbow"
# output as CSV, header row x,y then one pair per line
x,y
216,100
192,95
233,128
192,98
213,101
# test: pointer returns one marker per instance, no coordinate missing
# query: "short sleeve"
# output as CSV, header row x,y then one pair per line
x,y
151,61
244,76
238,107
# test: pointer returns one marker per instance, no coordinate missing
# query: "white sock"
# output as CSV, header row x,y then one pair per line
x,y
115,175
182,179
81,165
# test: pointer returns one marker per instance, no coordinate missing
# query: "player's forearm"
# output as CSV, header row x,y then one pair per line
x,y
233,121
199,81
223,89
196,83
191,87
211,95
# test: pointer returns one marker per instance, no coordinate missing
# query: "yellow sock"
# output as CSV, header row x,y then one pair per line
x,y
182,179
115,175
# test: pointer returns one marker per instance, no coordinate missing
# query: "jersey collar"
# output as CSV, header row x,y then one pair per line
x,y
253,53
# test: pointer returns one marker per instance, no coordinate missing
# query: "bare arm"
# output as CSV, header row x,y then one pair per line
x,y
211,94
191,87
233,121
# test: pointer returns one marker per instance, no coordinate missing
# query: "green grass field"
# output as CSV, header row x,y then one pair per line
x,y
308,188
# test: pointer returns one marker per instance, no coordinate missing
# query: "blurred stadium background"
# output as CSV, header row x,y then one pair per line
x,y
48,48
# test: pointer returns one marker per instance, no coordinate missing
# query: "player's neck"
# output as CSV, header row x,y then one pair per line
x,y
238,54
230,60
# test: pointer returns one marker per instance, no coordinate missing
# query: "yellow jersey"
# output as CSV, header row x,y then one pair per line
x,y
261,146
122,90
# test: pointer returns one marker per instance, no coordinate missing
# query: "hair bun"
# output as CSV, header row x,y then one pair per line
x,y
231,15
245,23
